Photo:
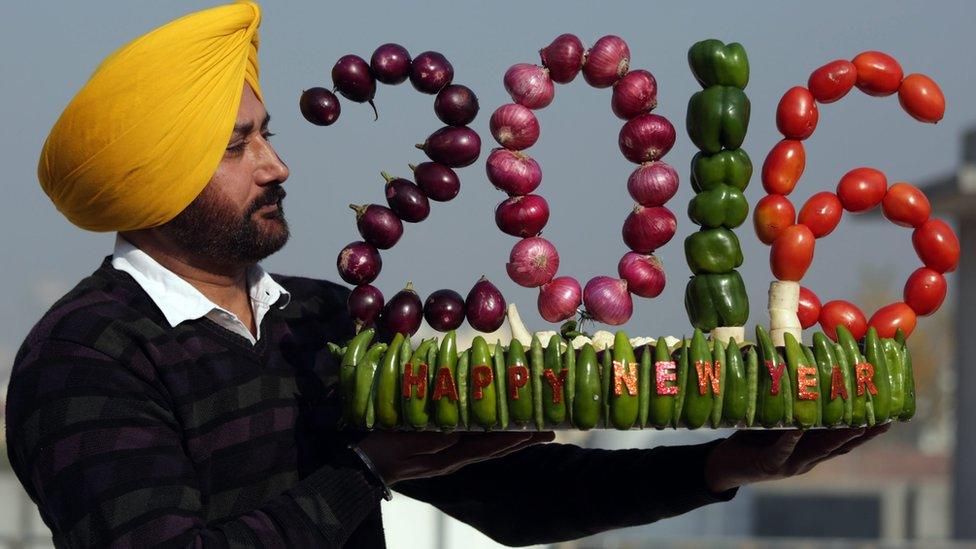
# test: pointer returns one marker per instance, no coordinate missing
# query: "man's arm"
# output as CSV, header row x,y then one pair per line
x,y
101,453
556,492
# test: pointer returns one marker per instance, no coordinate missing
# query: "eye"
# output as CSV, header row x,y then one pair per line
x,y
267,135
234,150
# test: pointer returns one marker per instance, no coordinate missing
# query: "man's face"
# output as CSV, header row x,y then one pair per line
x,y
238,218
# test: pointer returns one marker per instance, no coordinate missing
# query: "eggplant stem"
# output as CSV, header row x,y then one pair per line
x,y
376,114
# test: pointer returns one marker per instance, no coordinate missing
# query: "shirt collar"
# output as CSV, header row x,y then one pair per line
x,y
178,300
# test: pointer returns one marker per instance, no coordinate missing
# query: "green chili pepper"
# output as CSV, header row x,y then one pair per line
x,y
805,410
362,409
771,404
644,395
698,398
336,351
569,364
752,385
812,362
845,371
482,397
587,404
831,406
681,358
728,167
355,351
720,367
501,398
537,360
416,390
853,355
874,353
623,406
606,378
519,382
553,398
463,369
660,407
718,118
713,251
787,390
908,409
736,390
713,62
387,397
896,373
714,300
723,206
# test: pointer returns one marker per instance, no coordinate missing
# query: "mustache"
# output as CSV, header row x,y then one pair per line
x,y
274,195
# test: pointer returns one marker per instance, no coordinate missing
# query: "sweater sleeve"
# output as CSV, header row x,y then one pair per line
x,y
549,493
100,452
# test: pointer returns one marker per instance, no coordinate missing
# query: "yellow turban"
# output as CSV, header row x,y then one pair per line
x,y
144,136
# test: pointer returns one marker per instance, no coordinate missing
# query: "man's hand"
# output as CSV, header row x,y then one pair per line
x,y
753,456
404,455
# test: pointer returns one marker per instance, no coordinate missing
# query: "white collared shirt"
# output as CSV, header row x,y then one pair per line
x,y
180,301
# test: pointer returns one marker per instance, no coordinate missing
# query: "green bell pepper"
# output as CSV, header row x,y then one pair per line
x,y
728,167
714,300
718,117
713,251
713,62
722,206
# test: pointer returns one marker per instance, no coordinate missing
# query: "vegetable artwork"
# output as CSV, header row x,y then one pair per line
x,y
718,117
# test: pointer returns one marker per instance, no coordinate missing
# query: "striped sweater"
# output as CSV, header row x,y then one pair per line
x,y
128,432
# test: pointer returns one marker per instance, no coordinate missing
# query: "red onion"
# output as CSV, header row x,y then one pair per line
x,y
522,216
644,274
646,138
653,184
406,199
364,303
529,85
378,225
403,313
564,58
634,93
533,262
430,71
352,77
514,127
444,310
390,64
485,306
456,105
647,229
359,263
454,147
320,106
559,299
606,62
514,172
607,300
438,182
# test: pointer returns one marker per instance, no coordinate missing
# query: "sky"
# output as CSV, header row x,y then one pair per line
x,y
48,50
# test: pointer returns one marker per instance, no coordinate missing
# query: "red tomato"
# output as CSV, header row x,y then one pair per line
x,y
922,98
862,189
796,114
821,213
792,253
889,318
783,167
840,312
772,214
905,205
925,290
832,81
936,245
809,309
878,74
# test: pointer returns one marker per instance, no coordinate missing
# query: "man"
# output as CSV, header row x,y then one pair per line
x,y
180,395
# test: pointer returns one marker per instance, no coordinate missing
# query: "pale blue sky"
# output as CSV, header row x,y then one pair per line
x,y
48,49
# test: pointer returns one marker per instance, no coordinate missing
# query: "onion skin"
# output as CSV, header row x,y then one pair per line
x,y
430,71
522,216
403,313
485,307
529,85
646,138
647,229
532,262
378,225
320,106
607,300
514,172
452,146
644,274
653,183
359,263
514,127
559,299
438,182
633,94
390,64
564,58
444,310
456,105
365,303
606,62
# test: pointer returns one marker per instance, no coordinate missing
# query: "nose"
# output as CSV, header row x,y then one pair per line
x,y
272,169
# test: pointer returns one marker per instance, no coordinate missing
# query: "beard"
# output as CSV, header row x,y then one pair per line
x,y
212,228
